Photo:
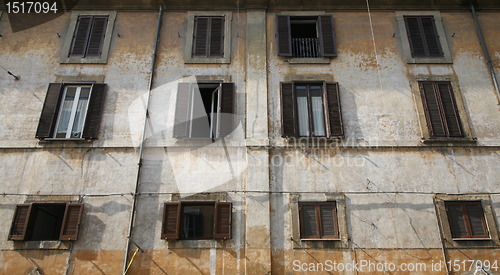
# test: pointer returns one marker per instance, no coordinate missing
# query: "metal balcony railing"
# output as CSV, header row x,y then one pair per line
x,y
305,48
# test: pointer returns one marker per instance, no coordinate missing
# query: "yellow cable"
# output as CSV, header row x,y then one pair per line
x,y
131,260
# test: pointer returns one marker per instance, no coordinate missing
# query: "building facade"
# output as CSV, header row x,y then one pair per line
x,y
251,137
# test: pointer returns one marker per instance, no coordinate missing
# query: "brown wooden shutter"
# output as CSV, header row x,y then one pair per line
x,y
288,110
50,111
284,35
432,103
20,222
80,36
181,120
334,110
71,222
227,110
328,220
94,111
476,220
222,220
457,220
450,109
96,37
327,36
431,37
217,37
200,39
309,223
170,229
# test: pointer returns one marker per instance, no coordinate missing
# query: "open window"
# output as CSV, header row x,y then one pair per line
x,y
46,222
311,109
318,220
306,36
196,220
71,111
204,110
466,219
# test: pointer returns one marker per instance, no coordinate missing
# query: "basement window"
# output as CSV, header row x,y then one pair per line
x,y
46,222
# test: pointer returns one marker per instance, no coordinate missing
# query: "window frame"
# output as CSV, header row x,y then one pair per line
x,y
440,33
467,222
319,221
105,44
190,32
73,111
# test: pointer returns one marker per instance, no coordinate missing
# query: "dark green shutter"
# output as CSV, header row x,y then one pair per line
x,y
227,110
327,36
288,125
284,35
334,110
217,37
94,111
200,39
50,111
96,37
80,36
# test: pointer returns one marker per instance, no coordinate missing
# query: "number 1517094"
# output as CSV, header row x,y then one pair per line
x,y
31,7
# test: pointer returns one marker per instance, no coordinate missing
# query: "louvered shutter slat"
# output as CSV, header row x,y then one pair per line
x,y
50,111
450,110
334,110
200,43
435,122
328,228
327,36
475,214
80,37
71,222
284,35
20,222
217,37
96,37
457,221
309,223
415,37
288,110
431,38
181,119
94,111
227,110
222,225
171,221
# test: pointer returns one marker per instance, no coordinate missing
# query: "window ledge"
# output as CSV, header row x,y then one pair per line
x,y
471,239
440,141
55,245
64,139
305,240
209,243
322,60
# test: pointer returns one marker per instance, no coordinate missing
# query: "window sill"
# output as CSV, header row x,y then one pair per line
x,y
429,60
211,243
322,60
471,239
441,141
52,245
207,60
305,240
64,139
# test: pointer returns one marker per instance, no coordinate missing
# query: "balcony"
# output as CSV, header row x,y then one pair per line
x,y
305,48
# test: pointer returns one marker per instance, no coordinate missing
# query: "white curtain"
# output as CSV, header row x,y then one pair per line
x,y
319,123
62,128
303,116
79,117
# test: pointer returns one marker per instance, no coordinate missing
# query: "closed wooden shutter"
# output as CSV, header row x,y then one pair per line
x,y
328,220
217,37
415,37
96,37
288,115
181,120
450,110
200,39
222,224
422,36
80,36
476,219
20,222
327,36
432,104
284,35
457,220
431,37
94,111
227,110
170,229
309,221
50,111
71,222
334,110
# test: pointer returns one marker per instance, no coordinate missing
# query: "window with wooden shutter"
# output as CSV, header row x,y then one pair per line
x,y
71,111
422,36
306,36
208,37
318,220
222,220
171,221
311,110
204,110
88,37
443,120
46,222
466,219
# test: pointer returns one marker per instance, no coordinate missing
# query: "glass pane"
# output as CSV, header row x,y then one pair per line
x,y
64,117
317,111
198,221
302,109
309,221
327,221
457,220
81,111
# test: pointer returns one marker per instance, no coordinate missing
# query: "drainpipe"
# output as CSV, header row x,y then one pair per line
x,y
141,148
483,44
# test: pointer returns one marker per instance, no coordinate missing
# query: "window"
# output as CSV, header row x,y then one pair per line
x,y
311,109
88,37
209,37
46,221
204,110
71,111
306,36
440,107
423,38
318,220
466,219
196,220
